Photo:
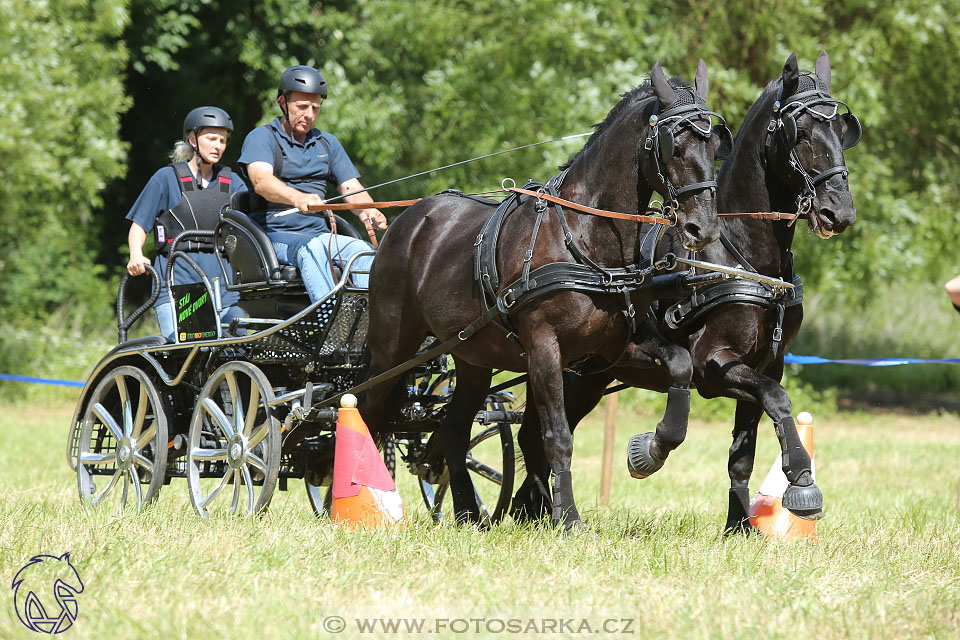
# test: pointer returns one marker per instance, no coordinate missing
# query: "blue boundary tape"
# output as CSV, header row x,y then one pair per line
x,y
868,362
789,359
62,383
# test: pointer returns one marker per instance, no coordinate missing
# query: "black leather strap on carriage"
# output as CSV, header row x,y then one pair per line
x,y
706,298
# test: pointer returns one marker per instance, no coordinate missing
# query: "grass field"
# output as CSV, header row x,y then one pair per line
x,y
653,563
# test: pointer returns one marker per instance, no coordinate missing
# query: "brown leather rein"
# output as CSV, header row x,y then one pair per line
x,y
343,206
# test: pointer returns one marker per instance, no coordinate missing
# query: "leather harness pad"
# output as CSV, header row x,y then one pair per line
x,y
704,299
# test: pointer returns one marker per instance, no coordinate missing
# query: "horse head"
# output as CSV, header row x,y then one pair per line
x,y
806,138
681,146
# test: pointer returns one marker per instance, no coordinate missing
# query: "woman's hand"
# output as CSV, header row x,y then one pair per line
x,y
135,266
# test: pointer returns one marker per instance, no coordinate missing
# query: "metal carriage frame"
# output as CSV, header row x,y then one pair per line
x,y
241,414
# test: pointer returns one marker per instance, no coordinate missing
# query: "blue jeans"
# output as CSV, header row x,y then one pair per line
x,y
313,261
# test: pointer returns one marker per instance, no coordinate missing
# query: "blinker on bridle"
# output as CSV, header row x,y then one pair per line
x,y
783,127
661,144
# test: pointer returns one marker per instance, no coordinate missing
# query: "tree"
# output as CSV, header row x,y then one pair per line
x,y
61,93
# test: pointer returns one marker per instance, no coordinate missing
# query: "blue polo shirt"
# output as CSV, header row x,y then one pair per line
x,y
312,161
162,192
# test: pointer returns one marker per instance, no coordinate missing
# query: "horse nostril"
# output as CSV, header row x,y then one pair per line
x,y
692,230
828,218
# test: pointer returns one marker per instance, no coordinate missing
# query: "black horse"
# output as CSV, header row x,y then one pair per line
x,y
423,282
788,155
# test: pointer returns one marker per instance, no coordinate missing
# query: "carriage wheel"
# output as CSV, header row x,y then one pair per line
x,y
491,461
321,496
234,440
122,452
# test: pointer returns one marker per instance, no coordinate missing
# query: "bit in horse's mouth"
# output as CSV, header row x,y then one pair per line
x,y
818,228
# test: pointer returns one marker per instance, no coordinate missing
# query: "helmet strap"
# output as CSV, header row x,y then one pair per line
x,y
283,108
200,159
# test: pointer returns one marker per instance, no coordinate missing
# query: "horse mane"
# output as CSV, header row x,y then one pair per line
x,y
639,94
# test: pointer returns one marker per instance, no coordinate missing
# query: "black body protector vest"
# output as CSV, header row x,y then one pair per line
x,y
198,209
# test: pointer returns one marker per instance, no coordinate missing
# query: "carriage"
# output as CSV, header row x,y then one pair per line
x,y
240,409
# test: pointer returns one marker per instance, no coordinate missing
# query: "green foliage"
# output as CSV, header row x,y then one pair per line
x,y
60,93
416,85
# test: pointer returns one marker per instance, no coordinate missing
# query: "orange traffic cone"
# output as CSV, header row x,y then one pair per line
x,y
364,494
766,511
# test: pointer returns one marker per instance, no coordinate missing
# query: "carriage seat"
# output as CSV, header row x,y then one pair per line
x,y
255,270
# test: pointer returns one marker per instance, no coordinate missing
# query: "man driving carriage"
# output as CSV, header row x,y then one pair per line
x,y
288,162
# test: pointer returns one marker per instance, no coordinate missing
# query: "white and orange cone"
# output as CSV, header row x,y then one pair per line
x,y
766,510
364,493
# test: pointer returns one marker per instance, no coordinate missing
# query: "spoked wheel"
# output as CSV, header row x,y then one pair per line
x,y
122,453
234,440
321,496
491,461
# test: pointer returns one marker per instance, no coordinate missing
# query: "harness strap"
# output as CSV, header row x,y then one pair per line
x,y
763,215
444,347
705,299
697,186
739,257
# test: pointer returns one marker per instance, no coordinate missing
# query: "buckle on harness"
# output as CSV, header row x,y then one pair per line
x,y
777,334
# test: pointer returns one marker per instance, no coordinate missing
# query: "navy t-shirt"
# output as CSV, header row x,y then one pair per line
x,y
162,192
312,158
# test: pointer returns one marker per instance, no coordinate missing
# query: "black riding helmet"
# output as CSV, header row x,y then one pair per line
x,y
302,78
206,117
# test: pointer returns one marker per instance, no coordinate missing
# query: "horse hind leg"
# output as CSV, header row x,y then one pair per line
x,y
647,452
802,495
472,387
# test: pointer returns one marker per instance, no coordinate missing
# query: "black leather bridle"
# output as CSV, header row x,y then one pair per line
x,y
660,142
783,130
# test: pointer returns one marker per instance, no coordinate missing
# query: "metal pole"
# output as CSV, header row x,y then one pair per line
x,y
609,436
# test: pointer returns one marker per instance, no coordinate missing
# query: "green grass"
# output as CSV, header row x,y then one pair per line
x,y
886,564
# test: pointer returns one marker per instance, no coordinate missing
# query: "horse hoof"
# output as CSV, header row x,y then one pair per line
x,y
804,502
640,462
739,528
575,528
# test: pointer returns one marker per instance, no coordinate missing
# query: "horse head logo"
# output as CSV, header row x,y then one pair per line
x,y
45,593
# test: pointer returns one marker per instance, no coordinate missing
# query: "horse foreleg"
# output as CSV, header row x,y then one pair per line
x,y
581,394
647,452
546,380
802,495
740,465
472,387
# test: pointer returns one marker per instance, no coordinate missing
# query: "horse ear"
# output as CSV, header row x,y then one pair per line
x,y
664,92
823,69
701,83
791,76
66,557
